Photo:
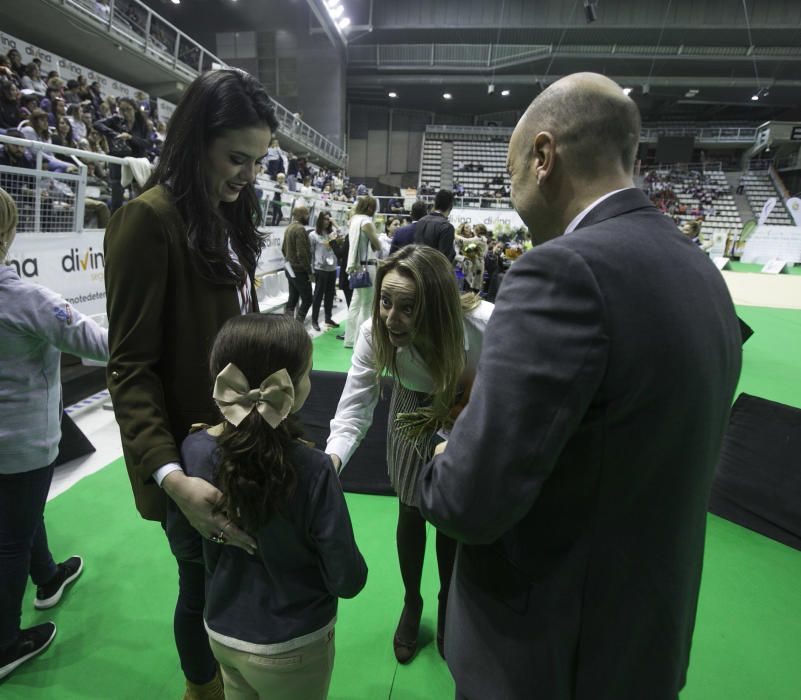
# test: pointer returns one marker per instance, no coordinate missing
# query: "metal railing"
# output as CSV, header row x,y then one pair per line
x,y
134,23
50,202
717,135
456,130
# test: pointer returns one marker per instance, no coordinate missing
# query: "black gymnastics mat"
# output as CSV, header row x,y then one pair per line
x,y
758,479
367,470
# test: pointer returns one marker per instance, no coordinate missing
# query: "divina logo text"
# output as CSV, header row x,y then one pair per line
x,y
74,261
27,267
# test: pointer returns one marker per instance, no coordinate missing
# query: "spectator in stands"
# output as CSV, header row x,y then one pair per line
x,y
180,261
39,131
325,270
28,103
429,340
71,96
362,190
275,160
103,10
10,115
96,98
363,250
405,234
394,205
276,203
32,80
75,121
64,137
20,187
7,74
434,229
127,135
296,249
58,108
36,325
15,63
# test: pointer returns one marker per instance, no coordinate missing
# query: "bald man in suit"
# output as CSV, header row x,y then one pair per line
x,y
576,479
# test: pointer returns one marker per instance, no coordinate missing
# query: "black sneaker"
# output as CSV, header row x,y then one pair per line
x,y
331,323
341,336
50,594
31,642
315,325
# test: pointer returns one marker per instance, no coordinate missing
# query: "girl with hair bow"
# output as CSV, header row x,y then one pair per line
x,y
270,616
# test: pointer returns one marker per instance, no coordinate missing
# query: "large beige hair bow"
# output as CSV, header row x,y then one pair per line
x,y
273,399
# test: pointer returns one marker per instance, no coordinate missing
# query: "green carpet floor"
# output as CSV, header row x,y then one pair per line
x,y
115,633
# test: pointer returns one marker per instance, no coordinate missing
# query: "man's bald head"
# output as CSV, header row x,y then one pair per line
x,y
595,125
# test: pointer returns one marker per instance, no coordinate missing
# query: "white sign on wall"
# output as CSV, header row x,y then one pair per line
x,y
72,265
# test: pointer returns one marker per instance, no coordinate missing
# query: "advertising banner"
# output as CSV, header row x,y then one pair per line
x,y
165,110
67,69
71,265
496,220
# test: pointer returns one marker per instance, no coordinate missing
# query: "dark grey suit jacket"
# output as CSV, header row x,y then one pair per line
x,y
435,230
578,475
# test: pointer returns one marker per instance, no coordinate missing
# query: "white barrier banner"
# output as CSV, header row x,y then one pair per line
x,y
272,259
165,109
506,220
768,243
67,70
794,207
71,265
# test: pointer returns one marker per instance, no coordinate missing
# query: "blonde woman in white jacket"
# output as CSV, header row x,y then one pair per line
x,y
363,253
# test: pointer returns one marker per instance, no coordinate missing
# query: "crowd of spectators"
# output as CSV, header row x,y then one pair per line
x,y
73,114
670,190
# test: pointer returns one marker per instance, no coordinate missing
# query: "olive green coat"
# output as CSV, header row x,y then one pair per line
x,y
163,318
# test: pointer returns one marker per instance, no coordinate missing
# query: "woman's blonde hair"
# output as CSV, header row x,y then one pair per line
x,y
438,318
365,205
9,217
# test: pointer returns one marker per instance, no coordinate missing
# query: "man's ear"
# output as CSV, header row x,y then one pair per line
x,y
543,155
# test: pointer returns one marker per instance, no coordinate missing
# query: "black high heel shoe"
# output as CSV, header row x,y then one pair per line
x,y
405,640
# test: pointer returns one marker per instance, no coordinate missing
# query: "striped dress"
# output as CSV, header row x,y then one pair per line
x,y
406,456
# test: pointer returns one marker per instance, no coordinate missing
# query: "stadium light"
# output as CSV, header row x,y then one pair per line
x,y
626,91
344,22
754,98
332,3
393,94
447,95
336,12
505,93
176,2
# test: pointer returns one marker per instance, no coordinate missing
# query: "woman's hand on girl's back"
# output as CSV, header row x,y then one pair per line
x,y
196,498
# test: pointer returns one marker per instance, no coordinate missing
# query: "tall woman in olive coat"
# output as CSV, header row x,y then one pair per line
x,y
180,261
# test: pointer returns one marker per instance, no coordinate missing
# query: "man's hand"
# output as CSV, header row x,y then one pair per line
x,y
337,462
196,498
439,449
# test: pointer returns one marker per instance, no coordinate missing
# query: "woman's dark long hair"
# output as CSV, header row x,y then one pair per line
x,y
321,218
254,470
215,102
140,123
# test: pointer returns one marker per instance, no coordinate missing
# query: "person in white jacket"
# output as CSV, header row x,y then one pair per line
x,y
36,325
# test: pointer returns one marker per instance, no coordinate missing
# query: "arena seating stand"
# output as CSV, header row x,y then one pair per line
x,y
758,189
